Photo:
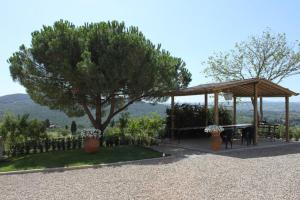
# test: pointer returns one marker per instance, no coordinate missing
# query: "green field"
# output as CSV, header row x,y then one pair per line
x,y
76,158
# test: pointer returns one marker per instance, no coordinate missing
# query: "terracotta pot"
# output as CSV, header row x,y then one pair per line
x,y
216,141
91,145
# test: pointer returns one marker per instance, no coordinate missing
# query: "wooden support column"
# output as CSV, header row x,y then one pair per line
x,y
172,117
216,108
234,110
261,109
255,116
287,113
206,108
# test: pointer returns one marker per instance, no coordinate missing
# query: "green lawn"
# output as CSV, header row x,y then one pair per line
x,y
77,157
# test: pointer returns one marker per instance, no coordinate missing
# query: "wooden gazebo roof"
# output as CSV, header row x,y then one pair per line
x,y
240,88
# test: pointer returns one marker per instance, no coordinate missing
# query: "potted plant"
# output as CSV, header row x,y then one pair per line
x,y
91,140
215,132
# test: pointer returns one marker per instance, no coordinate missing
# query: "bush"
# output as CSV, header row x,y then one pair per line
x,y
18,129
111,136
189,115
139,131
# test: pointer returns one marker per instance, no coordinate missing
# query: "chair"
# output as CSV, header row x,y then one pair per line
x,y
268,130
227,136
248,135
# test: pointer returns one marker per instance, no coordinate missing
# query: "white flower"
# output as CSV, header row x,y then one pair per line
x,y
90,132
213,128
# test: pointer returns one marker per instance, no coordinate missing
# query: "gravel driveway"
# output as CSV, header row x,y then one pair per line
x,y
271,173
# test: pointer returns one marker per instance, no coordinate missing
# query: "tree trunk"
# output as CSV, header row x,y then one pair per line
x,y
258,115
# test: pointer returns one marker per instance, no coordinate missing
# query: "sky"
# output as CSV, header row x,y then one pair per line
x,y
190,29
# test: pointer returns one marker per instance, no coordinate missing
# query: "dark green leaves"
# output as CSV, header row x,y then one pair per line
x,y
99,61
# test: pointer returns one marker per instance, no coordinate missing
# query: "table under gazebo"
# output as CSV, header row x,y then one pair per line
x,y
253,88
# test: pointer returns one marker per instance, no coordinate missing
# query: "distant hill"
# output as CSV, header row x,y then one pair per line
x,y
22,103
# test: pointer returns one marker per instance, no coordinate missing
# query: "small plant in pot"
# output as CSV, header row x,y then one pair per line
x,y
91,142
215,132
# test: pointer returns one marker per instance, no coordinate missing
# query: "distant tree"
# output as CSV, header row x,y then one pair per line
x,y
123,122
66,127
101,67
268,56
73,127
47,123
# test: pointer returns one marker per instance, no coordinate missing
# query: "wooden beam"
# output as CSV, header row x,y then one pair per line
x,y
172,117
261,112
255,117
287,113
216,108
206,108
234,110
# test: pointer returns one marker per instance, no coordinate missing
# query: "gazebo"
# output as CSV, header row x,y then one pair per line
x,y
254,88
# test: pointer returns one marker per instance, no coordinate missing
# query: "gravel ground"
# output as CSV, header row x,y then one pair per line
x,y
271,173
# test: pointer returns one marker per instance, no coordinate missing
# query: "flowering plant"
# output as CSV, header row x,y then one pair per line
x,y
213,129
91,133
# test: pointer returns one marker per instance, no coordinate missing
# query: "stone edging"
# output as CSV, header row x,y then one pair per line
x,y
62,169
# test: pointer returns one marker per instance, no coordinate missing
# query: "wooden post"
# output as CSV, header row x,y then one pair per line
x,y
287,113
234,110
255,121
172,117
261,109
216,108
206,108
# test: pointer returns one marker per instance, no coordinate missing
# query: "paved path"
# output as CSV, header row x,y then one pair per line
x,y
271,173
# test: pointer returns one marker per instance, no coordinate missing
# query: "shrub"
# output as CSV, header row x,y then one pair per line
x,y
63,132
18,129
139,131
111,136
145,129
189,115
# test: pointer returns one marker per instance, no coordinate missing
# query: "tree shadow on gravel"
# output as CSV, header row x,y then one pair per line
x,y
279,150
168,159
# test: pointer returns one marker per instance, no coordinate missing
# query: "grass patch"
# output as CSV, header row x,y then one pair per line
x,y
77,157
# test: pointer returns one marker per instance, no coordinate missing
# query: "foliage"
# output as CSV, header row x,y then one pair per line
x,y
294,132
44,145
101,67
188,115
57,133
145,128
73,127
77,157
47,123
63,132
19,129
22,103
267,56
123,122
140,130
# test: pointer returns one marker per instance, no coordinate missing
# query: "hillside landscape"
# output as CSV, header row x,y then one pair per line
x,y
22,103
